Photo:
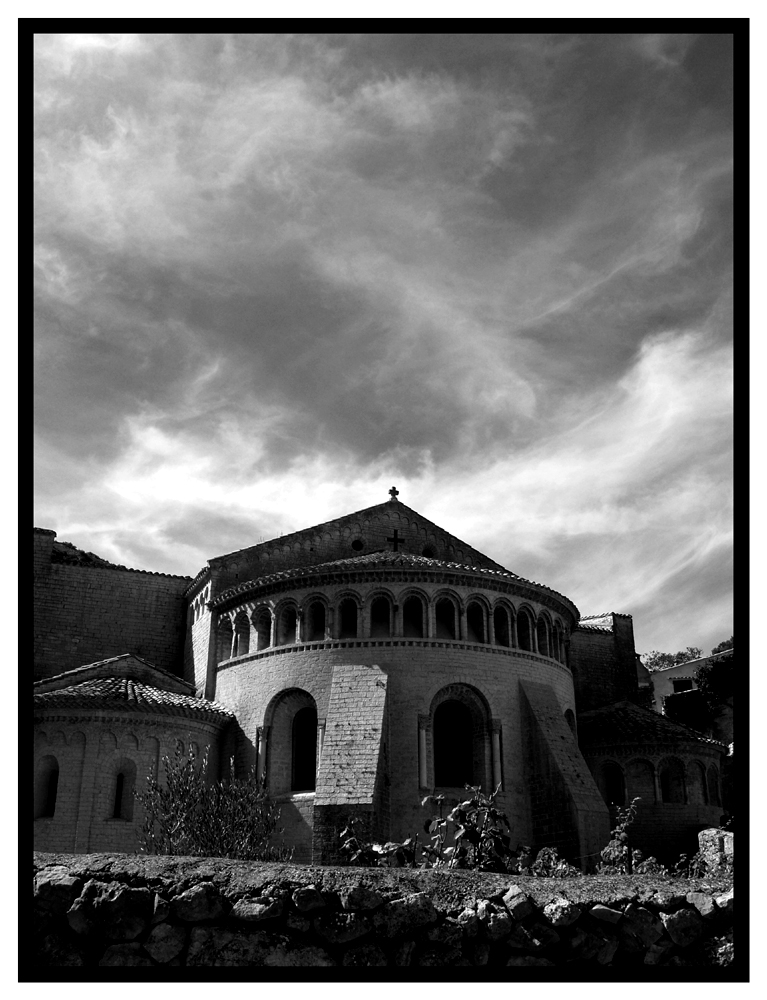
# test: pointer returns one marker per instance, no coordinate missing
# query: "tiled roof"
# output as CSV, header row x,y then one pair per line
x,y
627,723
374,560
121,693
592,628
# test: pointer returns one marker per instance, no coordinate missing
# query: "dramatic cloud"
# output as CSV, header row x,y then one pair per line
x,y
276,274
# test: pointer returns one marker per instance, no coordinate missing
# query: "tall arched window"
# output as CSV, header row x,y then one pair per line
x,y
611,784
347,615
315,622
380,618
697,791
671,774
524,631
125,782
263,625
286,626
453,744
412,618
713,786
46,787
445,618
304,750
475,623
641,780
242,634
543,637
224,639
502,626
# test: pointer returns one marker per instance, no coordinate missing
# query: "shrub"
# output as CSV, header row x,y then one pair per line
x,y
190,815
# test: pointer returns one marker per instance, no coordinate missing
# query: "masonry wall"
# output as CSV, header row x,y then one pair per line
x,y
604,665
90,753
83,614
103,911
415,671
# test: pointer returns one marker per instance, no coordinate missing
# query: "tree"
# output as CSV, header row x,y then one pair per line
x,y
659,661
727,644
716,681
190,815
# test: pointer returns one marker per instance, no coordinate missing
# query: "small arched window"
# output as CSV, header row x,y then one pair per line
x,y
412,618
286,630
380,618
125,782
47,787
263,625
696,784
501,626
453,744
241,635
524,631
543,637
713,786
475,622
671,776
224,637
613,786
347,614
445,618
315,622
304,750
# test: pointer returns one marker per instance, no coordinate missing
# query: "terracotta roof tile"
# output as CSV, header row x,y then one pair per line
x,y
121,693
627,723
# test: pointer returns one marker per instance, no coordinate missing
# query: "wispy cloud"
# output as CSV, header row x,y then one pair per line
x,y
274,272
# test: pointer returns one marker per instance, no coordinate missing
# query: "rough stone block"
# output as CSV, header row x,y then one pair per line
x,y
201,902
161,909
125,954
165,942
439,955
683,927
401,916
256,910
361,897
307,898
498,926
561,912
117,912
703,903
450,932
605,913
478,952
518,903
725,901
404,954
528,960
56,890
469,921
640,925
340,928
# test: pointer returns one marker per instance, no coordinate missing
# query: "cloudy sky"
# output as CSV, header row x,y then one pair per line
x,y
276,275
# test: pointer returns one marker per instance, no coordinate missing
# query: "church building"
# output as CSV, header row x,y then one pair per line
x,y
360,665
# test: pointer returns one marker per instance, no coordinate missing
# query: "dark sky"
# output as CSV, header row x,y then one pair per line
x,y
276,274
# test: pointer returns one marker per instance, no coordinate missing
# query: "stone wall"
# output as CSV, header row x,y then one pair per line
x,y
87,613
107,910
603,662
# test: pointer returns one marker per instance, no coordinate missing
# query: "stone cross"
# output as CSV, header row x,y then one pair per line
x,y
393,493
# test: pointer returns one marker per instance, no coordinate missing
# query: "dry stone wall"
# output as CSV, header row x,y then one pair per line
x,y
107,910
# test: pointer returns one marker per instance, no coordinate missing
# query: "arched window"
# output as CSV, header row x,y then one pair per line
x,y
671,774
570,719
524,631
125,782
412,618
347,615
445,618
286,626
224,636
475,622
263,625
641,781
314,622
502,626
713,786
543,637
304,750
46,787
612,785
697,792
241,635
453,745
380,618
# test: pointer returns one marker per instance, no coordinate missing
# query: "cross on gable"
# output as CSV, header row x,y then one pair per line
x,y
394,492
395,541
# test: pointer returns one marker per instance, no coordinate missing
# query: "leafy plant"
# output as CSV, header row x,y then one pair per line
x,y
617,856
189,815
389,855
